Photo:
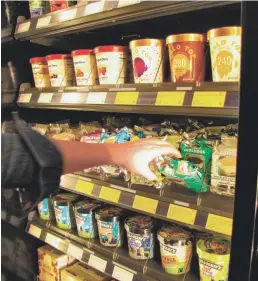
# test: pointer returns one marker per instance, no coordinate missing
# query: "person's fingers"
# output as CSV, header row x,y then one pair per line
x,y
163,150
151,141
147,173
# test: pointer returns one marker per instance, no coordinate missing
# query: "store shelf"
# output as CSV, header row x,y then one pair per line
x,y
204,99
206,212
102,14
105,259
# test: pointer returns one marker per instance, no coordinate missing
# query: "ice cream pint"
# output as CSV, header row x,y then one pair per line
x,y
111,64
85,67
225,48
148,60
45,209
40,72
176,249
140,236
109,221
61,70
63,207
214,255
85,218
186,56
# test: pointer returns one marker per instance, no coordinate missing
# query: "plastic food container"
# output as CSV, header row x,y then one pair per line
x,y
61,70
60,4
148,60
85,218
214,255
140,236
186,56
85,67
40,72
110,221
111,64
176,249
63,207
38,8
225,48
45,209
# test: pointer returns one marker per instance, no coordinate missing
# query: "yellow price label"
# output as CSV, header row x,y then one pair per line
x,y
127,98
23,27
209,99
109,194
45,98
182,214
84,187
43,22
219,224
35,231
175,98
145,204
24,98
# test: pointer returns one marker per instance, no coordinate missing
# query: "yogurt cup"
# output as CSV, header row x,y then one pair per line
x,y
148,60
186,56
176,249
85,218
109,221
111,64
214,255
225,48
61,70
140,236
63,207
45,209
85,67
40,72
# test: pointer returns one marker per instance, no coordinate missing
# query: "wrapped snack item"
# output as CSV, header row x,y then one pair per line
x,y
64,136
40,128
113,171
90,127
91,137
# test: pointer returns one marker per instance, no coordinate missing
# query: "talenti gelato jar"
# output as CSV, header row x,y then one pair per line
x,y
140,236
148,60
111,64
214,255
85,67
85,218
40,72
176,249
225,48
45,209
186,56
110,222
61,70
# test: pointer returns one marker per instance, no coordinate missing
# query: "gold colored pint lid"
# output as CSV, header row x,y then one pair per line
x,y
146,42
224,31
194,37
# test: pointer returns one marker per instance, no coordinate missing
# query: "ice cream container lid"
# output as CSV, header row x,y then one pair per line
x,y
82,52
214,245
38,60
173,234
86,206
139,224
64,198
58,57
194,37
146,42
109,214
224,31
110,48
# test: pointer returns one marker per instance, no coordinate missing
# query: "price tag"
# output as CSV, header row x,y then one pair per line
x,y
127,98
123,3
75,251
70,98
96,98
24,98
122,274
35,231
109,194
52,240
67,15
219,224
145,204
84,187
23,27
43,22
94,8
97,263
45,98
209,99
175,98
182,214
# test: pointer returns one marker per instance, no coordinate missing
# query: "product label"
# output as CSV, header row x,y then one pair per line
x,y
85,225
41,75
63,217
109,233
209,270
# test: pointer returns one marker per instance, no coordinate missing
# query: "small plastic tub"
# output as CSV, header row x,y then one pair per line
x,y
214,255
64,213
61,70
186,56
140,236
85,218
40,72
45,209
148,60
176,249
85,67
111,64
225,48
110,222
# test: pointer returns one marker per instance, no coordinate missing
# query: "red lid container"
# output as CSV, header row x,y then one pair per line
x,y
110,48
82,52
58,57
38,60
